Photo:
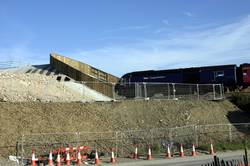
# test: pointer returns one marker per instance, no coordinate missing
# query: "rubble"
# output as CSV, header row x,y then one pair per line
x,y
24,87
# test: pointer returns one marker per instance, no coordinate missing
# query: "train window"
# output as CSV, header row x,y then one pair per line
x,y
219,74
244,72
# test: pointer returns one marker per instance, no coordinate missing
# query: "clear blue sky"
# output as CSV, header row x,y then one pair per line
x,y
120,36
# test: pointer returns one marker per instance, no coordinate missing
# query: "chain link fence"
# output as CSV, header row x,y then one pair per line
x,y
36,88
174,91
124,142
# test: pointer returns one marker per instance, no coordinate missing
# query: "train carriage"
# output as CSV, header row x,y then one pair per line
x,y
230,76
245,70
224,74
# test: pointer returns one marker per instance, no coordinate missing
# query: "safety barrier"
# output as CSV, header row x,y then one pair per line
x,y
82,155
135,143
90,91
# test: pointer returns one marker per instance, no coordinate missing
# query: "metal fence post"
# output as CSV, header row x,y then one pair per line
x,y
145,90
196,135
135,89
168,92
121,143
221,91
222,88
78,138
22,141
83,90
17,148
230,132
116,143
214,91
198,91
113,90
246,156
173,90
151,137
170,135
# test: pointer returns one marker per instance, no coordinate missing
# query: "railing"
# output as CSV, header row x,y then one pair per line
x,y
233,162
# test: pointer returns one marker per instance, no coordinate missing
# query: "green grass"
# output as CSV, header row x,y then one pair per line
x,y
242,100
224,146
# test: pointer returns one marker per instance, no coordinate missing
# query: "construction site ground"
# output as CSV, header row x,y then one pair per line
x,y
37,117
32,100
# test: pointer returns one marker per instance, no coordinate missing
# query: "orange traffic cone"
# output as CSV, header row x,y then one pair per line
x,y
136,154
112,160
149,156
97,160
168,155
211,152
58,160
33,158
79,158
50,163
181,151
193,151
67,158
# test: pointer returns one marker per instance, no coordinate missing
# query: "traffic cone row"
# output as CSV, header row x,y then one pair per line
x,y
58,160
97,160
50,163
149,156
168,152
168,155
136,154
33,158
193,153
79,158
113,159
67,158
181,154
211,151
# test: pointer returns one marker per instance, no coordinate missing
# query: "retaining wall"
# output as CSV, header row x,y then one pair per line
x,y
98,80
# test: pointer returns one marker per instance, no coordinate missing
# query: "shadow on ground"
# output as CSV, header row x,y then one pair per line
x,y
242,102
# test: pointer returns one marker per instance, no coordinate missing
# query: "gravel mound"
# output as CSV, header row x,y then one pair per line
x,y
21,87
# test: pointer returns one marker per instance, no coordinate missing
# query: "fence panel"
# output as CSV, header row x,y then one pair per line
x,y
124,142
158,90
206,92
49,90
175,91
186,91
43,143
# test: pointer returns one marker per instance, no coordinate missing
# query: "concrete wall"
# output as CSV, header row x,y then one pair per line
x,y
95,78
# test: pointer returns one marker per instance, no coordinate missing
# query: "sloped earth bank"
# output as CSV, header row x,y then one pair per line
x,y
37,117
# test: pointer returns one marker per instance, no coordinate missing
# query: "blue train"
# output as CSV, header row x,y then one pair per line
x,y
231,76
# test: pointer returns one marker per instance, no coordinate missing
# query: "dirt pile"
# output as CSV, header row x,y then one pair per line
x,y
20,87
38,117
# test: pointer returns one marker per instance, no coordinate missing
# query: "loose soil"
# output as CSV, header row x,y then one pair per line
x,y
38,117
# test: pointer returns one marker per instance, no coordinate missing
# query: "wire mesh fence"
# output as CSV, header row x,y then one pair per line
x,y
169,91
37,88
124,142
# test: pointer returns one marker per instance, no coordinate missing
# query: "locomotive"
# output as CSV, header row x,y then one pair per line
x,y
231,76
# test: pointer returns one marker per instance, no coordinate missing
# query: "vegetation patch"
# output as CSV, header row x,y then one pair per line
x,y
242,100
225,146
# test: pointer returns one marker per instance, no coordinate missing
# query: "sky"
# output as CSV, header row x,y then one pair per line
x,y
121,36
